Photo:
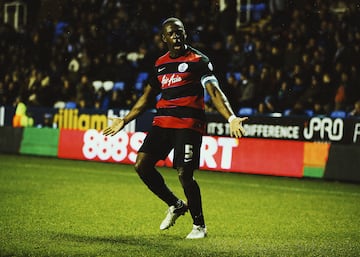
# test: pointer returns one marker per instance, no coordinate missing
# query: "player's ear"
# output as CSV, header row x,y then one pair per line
x,y
163,38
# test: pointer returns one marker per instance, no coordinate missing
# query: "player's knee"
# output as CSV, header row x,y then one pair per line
x,y
144,164
185,177
140,166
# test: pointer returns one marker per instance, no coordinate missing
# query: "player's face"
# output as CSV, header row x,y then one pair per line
x,y
174,36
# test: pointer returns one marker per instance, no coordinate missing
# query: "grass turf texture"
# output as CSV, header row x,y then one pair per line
x,y
52,207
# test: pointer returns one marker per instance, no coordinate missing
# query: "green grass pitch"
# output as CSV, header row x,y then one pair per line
x,y
52,207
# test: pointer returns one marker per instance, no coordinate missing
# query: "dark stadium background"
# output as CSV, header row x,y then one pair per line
x,y
291,57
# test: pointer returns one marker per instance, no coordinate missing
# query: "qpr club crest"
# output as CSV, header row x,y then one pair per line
x,y
183,67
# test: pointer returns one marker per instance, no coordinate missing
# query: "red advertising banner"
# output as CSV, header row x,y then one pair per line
x,y
270,157
70,144
92,145
257,156
248,155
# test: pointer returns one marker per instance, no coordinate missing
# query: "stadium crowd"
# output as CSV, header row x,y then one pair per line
x,y
300,59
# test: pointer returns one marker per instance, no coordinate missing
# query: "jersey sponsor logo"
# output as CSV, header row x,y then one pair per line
x,y
183,67
169,81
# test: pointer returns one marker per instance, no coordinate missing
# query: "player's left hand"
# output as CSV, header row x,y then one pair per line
x,y
236,128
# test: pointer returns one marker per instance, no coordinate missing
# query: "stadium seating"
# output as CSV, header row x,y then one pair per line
x,y
97,84
141,78
108,85
338,114
119,85
70,105
59,105
309,113
246,111
237,75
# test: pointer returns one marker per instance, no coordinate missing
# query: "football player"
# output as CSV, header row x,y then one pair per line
x,y
180,75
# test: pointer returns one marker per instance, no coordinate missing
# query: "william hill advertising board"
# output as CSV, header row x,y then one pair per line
x,y
313,129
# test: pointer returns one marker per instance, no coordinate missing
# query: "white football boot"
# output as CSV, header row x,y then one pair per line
x,y
197,232
172,214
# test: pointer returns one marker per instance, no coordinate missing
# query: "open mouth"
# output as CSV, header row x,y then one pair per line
x,y
177,45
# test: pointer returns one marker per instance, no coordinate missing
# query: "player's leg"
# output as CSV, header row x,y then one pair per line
x,y
149,154
145,167
193,195
186,160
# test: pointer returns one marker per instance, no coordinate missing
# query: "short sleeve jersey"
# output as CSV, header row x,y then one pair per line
x,y
182,95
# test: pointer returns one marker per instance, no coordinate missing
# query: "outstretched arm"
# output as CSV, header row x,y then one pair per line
x,y
222,105
140,106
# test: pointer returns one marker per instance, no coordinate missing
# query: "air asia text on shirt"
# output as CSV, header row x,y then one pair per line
x,y
168,82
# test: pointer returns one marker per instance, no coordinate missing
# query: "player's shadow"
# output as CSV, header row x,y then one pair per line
x,y
164,243
117,244
119,239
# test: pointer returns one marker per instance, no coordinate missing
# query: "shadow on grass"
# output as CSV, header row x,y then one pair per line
x,y
131,245
119,239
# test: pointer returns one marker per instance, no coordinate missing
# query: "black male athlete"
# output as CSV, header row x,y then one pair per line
x,y
180,76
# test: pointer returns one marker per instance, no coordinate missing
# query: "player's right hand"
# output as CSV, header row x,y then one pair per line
x,y
115,127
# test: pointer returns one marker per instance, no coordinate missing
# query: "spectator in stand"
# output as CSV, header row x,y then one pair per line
x,y
297,71
355,112
277,10
326,96
125,72
21,117
298,86
319,109
317,72
101,99
271,98
311,93
285,97
248,91
228,18
248,47
236,57
85,95
73,70
3,94
253,72
33,88
304,67
65,91
354,83
108,70
156,48
264,85
298,109
341,92
117,99
291,55
275,58
130,99
261,109
234,91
